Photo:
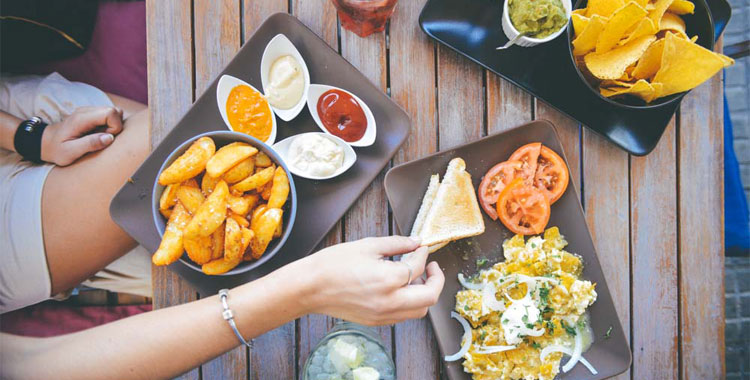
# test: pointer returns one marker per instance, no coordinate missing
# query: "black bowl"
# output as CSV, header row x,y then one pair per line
x,y
698,24
222,138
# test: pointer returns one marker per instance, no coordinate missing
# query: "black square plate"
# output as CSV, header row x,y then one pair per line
x,y
405,185
472,28
321,203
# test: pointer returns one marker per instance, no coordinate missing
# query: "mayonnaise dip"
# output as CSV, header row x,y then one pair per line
x,y
315,155
287,83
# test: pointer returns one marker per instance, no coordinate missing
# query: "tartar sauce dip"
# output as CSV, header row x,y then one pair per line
x,y
315,155
287,82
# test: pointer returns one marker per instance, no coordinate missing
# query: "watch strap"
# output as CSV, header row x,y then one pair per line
x,y
28,139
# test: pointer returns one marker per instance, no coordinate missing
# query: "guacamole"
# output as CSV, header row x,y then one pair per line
x,y
537,18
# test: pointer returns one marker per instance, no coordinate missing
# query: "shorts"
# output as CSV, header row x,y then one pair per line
x,y
24,275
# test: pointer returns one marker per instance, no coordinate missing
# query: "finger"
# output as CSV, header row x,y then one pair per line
x,y
88,143
416,260
391,245
422,295
91,117
401,316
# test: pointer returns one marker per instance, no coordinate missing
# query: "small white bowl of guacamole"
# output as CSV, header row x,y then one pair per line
x,y
541,20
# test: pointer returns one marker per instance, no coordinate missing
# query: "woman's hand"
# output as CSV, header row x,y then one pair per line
x,y
355,281
65,142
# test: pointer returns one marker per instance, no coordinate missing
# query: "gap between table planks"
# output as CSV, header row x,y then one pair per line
x,y
656,225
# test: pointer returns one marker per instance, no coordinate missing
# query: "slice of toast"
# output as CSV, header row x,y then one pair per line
x,y
454,213
424,209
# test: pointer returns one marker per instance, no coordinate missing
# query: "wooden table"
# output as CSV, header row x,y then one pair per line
x,y
657,221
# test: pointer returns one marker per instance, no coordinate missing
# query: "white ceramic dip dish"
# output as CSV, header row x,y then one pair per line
x,y
314,94
511,32
278,47
225,86
284,149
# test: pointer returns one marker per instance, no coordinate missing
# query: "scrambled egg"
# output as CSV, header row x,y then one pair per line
x,y
539,301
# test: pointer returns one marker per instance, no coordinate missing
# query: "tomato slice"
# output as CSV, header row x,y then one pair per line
x,y
551,175
494,182
522,208
528,155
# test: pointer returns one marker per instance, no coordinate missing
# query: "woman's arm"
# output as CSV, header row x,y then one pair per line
x,y
351,281
8,126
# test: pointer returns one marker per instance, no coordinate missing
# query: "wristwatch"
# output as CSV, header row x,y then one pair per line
x,y
28,139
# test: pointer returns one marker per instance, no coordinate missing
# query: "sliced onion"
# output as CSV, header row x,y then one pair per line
x,y
576,352
469,285
493,349
567,351
465,339
490,300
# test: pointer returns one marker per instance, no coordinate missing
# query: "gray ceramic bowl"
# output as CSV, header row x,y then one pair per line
x,y
222,138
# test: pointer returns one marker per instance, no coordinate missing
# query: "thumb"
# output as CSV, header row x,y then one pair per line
x,y
89,143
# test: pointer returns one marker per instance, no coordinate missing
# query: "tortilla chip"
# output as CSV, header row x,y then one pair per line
x,y
672,22
624,18
682,7
694,39
644,28
685,65
586,41
612,64
579,23
641,89
604,8
642,3
580,12
660,6
650,61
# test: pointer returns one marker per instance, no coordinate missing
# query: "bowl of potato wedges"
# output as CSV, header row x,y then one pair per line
x,y
224,203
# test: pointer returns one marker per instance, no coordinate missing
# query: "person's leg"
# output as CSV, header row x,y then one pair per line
x,y
80,238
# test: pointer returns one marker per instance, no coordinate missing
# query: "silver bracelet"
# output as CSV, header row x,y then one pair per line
x,y
229,317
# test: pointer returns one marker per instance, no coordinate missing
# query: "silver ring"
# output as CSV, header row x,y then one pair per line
x,y
411,272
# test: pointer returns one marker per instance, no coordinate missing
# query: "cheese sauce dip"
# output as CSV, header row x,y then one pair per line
x,y
287,83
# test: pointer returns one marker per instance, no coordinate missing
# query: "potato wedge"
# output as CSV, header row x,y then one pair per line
x,y
239,219
277,233
198,249
265,191
262,160
252,200
191,183
190,197
166,213
208,184
210,214
233,241
255,218
171,246
219,266
217,243
254,181
264,229
238,205
189,164
247,237
279,189
240,171
168,197
227,157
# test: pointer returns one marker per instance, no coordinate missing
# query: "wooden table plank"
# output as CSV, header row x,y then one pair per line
x,y
273,353
169,50
507,105
654,305
412,74
701,232
369,214
320,17
460,99
217,40
606,202
569,131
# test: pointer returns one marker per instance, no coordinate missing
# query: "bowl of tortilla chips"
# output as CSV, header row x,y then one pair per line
x,y
643,53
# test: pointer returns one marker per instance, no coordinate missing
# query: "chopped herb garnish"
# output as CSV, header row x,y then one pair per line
x,y
550,327
529,326
582,323
569,329
481,262
609,332
544,295
525,319
505,321
533,245
536,345
482,335
466,307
